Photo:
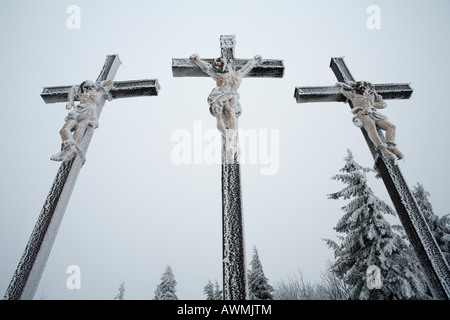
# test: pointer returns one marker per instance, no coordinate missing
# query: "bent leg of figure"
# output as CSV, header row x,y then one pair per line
x,y
232,143
66,137
221,125
217,112
80,130
390,137
71,146
229,108
232,119
372,131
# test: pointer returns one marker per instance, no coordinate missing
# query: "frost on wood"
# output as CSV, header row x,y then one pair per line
x,y
432,260
26,263
234,278
121,89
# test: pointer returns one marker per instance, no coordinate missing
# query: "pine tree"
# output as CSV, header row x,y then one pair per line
x,y
121,294
209,291
439,226
371,241
212,291
217,292
258,284
167,288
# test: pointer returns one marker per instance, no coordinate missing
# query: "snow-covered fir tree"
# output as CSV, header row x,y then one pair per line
x,y
258,284
217,292
121,294
212,291
371,241
439,226
167,288
209,290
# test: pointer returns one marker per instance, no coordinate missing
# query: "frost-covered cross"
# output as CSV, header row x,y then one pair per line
x,y
228,72
31,266
359,95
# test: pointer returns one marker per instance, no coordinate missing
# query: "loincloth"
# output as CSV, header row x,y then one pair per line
x,y
217,100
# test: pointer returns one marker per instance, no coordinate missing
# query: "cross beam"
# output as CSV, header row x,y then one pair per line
x,y
431,258
333,93
267,68
234,269
31,266
121,89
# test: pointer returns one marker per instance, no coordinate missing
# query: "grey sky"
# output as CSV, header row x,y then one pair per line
x,y
134,211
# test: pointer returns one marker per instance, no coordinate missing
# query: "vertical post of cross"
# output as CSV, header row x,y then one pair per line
x,y
233,251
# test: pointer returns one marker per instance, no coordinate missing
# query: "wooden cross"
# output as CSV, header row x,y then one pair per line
x,y
234,269
433,262
31,266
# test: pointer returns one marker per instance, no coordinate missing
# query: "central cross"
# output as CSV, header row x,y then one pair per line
x,y
228,73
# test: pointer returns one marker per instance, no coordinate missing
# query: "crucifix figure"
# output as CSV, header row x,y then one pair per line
x,y
83,121
434,265
228,72
366,100
81,116
224,99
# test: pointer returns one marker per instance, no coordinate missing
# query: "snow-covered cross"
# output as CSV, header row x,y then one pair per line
x,y
31,266
428,252
228,73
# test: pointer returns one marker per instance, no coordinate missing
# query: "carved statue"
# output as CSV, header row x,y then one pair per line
x,y
224,99
366,100
81,116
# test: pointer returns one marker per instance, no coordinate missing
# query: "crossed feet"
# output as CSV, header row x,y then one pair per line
x,y
390,151
70,149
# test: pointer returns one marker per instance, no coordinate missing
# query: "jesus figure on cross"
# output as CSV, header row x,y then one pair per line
x,y
224,99
83,115
366,100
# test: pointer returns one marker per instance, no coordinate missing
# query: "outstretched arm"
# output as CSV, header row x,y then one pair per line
x,y
205,66
346,90
249,66
106,87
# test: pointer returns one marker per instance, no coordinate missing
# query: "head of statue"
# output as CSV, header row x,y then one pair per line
x,y
364,87
220,64
86,86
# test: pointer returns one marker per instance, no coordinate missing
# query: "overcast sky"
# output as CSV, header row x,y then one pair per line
x,y
134,209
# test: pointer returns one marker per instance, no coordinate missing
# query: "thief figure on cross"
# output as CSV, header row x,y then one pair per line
x,y
224,99
366,100
81,116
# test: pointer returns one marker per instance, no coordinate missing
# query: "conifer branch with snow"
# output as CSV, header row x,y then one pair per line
x,y
369,240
